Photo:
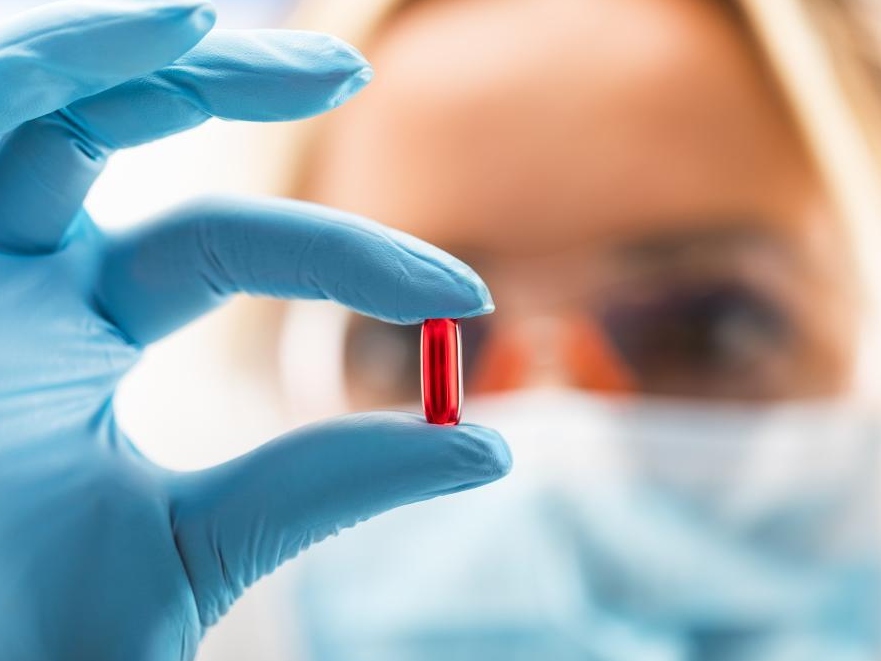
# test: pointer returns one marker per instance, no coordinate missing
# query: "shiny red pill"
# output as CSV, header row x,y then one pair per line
x,y
442,371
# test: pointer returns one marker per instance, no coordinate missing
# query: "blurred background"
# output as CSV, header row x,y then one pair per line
x,y
676,205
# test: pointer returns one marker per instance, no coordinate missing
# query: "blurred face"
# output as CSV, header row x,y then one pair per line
x,y
626,178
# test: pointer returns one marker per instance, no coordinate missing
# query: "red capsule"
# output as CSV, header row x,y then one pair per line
x,y
442,371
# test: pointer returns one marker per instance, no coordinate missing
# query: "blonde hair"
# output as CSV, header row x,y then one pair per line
x,y
825,55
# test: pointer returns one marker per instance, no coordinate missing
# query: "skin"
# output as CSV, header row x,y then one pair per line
x,y
605,166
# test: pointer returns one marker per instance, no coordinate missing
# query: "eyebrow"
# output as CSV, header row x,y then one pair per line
x,y
673,246
666,245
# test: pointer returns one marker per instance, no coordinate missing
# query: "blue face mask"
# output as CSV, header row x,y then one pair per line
x,y
626,531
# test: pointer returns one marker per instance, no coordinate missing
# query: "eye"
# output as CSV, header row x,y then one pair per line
x,y
694,340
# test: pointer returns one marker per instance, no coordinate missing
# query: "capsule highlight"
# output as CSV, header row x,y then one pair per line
x,y
442,371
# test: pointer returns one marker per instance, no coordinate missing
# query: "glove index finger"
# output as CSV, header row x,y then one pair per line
x,y
53,55
160,276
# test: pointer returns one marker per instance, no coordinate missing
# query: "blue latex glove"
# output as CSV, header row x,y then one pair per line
x,y
104,555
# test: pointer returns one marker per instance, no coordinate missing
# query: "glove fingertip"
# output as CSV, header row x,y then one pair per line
x,y
197,17
203,17
497,460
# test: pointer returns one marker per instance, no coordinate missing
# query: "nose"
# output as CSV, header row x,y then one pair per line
x,y
568,350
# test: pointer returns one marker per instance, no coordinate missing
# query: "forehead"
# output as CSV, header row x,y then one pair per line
x,y
535,124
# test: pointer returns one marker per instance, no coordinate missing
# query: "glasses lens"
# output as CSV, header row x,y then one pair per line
x,y
382,360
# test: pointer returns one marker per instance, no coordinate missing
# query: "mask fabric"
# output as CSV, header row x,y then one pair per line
x,y
657,531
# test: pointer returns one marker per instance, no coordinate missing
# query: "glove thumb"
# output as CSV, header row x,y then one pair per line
x,y
238,521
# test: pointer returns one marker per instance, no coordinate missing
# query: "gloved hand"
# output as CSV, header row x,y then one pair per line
x,y
104,555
